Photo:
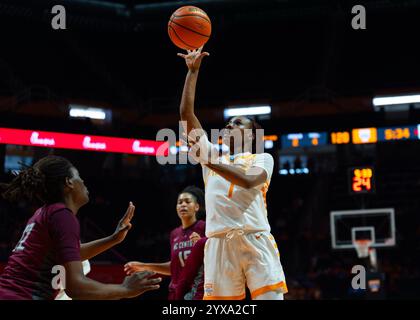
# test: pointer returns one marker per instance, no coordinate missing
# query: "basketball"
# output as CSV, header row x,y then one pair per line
x,y
189,27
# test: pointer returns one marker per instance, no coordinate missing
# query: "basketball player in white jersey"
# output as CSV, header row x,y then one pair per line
x,y
240,250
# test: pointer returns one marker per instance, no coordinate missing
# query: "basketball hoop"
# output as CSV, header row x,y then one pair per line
x,y
362,247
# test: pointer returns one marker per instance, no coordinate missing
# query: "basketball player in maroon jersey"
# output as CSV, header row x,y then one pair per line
x,y
191,280
52,239
182,239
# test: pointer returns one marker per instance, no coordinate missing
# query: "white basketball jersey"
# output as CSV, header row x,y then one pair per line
x,y
229,206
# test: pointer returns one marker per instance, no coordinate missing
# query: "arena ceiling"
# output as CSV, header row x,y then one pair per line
x,y
118,52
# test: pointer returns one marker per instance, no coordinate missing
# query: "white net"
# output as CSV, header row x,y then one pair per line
x,y
362,247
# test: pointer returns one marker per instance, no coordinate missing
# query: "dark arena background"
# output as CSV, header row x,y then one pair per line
x,y
335,148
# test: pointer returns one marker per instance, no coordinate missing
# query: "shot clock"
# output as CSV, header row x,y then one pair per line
x,y
361,180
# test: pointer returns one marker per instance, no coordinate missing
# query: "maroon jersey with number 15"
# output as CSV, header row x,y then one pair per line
x,y
181,246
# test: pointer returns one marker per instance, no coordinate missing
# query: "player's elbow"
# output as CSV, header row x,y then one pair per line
x,y
75,292
251,182
74,288
246,183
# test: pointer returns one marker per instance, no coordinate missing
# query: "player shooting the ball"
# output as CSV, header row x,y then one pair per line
x,y
240,249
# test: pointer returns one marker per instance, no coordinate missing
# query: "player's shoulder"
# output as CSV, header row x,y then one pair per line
x,y
175,232
56,208
200,225
50,212
263,157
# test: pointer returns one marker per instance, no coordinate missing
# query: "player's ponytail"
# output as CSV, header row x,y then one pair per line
x,y
43,183
28,184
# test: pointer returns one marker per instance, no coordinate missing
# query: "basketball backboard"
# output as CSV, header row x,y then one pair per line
x,y
377,225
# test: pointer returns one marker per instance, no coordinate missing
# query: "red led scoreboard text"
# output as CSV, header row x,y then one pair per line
x,y
361,180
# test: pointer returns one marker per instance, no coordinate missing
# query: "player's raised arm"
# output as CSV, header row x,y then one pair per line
x,y
93,248
193,60
253,177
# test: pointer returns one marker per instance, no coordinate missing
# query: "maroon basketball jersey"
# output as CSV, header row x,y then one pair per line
x,y
51,237
181,246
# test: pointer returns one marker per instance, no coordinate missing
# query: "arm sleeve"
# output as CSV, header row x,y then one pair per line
x,y
65,234
190,270
265,161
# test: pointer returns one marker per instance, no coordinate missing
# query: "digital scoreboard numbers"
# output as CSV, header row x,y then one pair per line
x,y
307,139
341,137
356,136
361,180
398,133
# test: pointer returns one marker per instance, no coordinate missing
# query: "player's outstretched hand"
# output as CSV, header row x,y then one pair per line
x,y
124,224
140,282
134,266
193,58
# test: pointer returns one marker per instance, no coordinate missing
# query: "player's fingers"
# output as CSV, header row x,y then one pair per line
x,y
145,274
128,214
181,55
130,264
131,214
153,281
129,268
148,288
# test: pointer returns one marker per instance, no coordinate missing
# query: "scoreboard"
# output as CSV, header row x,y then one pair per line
x,y
308,139
342,137
398,133
365,135
353,136
361,180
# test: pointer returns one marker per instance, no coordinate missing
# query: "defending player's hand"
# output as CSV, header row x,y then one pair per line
x,y
124,224
195,237
140,282
193,58
134,266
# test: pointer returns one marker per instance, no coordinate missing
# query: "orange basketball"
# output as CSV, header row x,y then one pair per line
x,y
189,27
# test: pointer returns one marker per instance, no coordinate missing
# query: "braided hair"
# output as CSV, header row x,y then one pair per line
x,y
43,183
199,198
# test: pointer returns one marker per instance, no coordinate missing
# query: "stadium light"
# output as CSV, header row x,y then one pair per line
x,y
268,144
84,112
247,111
393,100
